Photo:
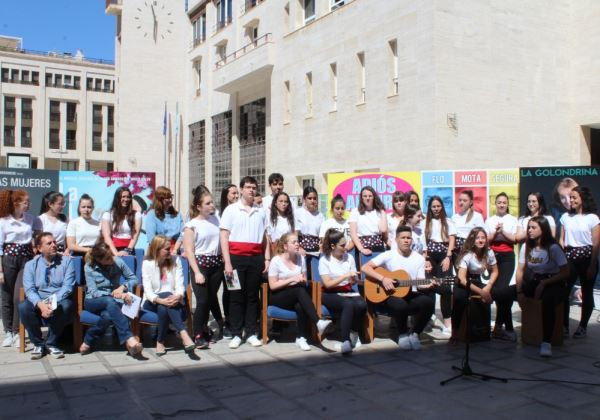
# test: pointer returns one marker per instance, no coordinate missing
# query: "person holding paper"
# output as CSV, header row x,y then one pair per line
x,y
104,297
162,276
48,280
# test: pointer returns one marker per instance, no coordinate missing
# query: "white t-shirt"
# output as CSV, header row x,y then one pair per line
x,y
525,219
393,260
85,232
58,229
278,269
367,224
123,231
206,235
436,230
392,223
308,223
332,267
279,229
18,231
473,265
331,223
419,243
578,228
248,226
463,228
540,262
509,224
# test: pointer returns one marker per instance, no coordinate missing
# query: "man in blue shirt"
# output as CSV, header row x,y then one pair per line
x,y
48,280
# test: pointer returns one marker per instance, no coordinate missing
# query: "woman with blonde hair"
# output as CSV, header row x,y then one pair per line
x,y
164,292
164,219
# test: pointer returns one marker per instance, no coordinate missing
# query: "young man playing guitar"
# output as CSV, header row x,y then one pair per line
x,y
415,302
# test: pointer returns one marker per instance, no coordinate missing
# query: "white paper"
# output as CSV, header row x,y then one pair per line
x,y
233,283
53,301
131,311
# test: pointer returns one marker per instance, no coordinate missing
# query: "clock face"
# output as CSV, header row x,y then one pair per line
x,y
154,19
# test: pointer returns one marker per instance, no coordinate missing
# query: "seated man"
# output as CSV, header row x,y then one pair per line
x,y
48,280
415,302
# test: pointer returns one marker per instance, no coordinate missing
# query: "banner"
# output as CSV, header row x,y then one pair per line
x,y
36,182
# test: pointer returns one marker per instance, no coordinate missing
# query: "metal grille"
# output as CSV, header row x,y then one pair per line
x,y
252,141
221,150
197,153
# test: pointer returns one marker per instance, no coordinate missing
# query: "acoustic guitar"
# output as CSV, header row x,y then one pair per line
x,y
376,293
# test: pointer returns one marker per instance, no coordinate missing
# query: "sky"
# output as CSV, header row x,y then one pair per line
x,y
61,26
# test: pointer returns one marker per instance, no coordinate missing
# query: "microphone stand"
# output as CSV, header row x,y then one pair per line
x,y
465,370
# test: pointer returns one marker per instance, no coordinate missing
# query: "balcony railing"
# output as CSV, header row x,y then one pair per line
x,y
63,55
258,42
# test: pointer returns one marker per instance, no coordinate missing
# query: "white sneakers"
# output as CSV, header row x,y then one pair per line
x,y
346,347
322,325
254,341
409,342
546,350
355,340
301,342
447,331
8,339
235,342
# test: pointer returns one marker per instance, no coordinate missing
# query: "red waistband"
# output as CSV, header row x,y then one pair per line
x,y
501,247
245,248
339,289
120,242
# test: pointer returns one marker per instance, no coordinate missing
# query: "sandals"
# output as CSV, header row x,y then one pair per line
x,y
134,349
85,349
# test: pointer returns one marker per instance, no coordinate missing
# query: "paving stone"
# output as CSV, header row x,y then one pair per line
x,y
24,385
337,370
266,371
187,402
400,368
299,386
81,370
24,405
105,405
74,387
28,368
231,386
257,405
334,403
560,396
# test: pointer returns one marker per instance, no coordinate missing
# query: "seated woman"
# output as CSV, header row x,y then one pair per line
x,y
474,259
104,297
542,274
162,277
338,273
287,282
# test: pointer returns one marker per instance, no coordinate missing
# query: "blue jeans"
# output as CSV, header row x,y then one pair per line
x,y
32,320
109,311
166,314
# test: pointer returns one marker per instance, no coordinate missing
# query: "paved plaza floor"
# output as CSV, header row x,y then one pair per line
x,y
281,381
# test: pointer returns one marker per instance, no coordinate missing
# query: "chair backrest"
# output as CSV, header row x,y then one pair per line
x,y
139,259
366,258
129,260
78,266
185,265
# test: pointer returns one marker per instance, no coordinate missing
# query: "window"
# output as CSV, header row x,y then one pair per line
x,y
55,111
9,108
58,80
199,29
77,82
253,141
14,76
97,85
393,44
48,79
71,112
35,78
68,81
25,136
54,142
5,75
107,84
287,99
69,165
309,94
221,51
197,153
362,88
221,150
71,140
9,135
89,84
309,11
97,141
110,116
224,13
197,66
336,4
25,76
26,109
26,121
110,142
97,115
333,85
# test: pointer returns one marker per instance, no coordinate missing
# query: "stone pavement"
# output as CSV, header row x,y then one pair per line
x,y
281,381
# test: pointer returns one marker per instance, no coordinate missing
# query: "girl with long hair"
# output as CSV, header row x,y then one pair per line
x,y
121,225
229,195
53,220
83,231
281,218
413,218
465,219
337,221
368,223
308,223
440,236
580,236
502,228
164,292
164,219
17,231
287,285
536,206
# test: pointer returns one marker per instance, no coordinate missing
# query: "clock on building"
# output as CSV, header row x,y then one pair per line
x,y
154,19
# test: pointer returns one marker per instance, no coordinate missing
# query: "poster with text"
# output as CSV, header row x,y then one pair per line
x,y
503,181
438,184
476,182
36,182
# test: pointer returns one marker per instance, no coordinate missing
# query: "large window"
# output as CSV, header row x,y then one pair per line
x,y
197,154
309,10
224,13
221,151
252,141
199,29
26,121
54,141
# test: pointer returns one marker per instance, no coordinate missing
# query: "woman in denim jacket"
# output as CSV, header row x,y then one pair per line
x,y
104,296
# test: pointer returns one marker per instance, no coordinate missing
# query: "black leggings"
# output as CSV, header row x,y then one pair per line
x,y
415,303
459,304
501,291
12,267
350,310
296,298
578,268
206,297
444,290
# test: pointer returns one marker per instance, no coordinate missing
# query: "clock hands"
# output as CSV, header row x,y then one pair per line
x,y
155,32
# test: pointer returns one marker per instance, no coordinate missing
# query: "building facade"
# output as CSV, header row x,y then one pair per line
x,y
56,107
310,87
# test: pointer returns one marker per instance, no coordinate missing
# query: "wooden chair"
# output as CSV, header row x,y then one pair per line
x,y
151,318
78,264
531,323
373,310
85,318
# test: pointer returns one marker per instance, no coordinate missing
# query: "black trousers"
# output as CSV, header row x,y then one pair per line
x,y
296,298
578,269
350,310
415,303
13,281
206,297
501,292
244,304
444,290
461,300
